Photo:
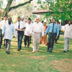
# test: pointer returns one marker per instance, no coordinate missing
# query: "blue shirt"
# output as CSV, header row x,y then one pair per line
x,y
50,28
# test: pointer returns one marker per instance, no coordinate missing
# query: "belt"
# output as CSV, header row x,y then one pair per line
x,y
37,32
52,33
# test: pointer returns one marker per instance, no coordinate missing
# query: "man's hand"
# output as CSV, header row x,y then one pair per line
x,y
56,37
3,35
16,29
29,34
13,36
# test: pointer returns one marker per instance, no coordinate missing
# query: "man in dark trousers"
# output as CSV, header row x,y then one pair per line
x,y
27,32
2,23
19,26
53,32
0,38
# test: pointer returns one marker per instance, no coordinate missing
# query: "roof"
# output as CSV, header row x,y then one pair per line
x,y
42,11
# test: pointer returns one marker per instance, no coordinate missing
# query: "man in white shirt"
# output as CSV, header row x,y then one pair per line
x,y
37,29
1,27
19,26
27,32
67,35
7,31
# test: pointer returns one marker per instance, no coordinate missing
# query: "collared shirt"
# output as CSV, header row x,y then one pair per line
x,y
68,31
38,28
28,28
8,30
50,28
2,23
22,25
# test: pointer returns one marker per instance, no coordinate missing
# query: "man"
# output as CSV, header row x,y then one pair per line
x,y
53,33
59,26
7,33
27,32
37,29
1,27
0,37
19,28
67,35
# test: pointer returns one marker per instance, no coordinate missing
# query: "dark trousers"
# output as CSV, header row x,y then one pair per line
x,y
58,37
51,39
0,37
8,43
27,40
20,37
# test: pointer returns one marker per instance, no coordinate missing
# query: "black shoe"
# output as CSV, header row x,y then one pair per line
x,y
47,49
67,50
19,49
28,47
25,46
7,52
64,51
50,50
0,47
4,45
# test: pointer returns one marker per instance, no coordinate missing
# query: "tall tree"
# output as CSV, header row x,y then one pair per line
x,y
9,8
61,9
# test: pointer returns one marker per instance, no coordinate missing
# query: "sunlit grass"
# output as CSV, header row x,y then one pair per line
x,y
26,61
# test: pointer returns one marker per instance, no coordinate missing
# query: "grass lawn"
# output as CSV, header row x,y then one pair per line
x,y
42,61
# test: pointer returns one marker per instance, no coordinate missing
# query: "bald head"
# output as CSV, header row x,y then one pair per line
x,y
37,20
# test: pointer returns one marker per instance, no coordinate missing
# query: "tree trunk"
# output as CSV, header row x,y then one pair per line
x,y
8,8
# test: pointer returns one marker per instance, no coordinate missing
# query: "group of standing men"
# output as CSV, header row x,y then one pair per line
x,y
32,29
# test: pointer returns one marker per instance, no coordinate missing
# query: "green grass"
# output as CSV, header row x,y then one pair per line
x,y
42,61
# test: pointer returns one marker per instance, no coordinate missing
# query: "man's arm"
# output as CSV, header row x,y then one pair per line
x,y
57,31
3,31
31,29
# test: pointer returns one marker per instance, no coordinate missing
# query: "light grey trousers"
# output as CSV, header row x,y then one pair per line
x,y
66,46
8,43
36,41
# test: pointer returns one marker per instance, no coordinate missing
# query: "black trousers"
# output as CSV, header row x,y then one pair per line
x,y
20,37
27,40
0,37
51,39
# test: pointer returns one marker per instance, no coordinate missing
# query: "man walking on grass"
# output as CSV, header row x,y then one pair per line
x,y
67,35
27,38
53,32
19,26
36,31
2,23
7,31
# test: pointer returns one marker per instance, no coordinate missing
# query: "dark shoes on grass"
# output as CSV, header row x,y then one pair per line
x,y
50,50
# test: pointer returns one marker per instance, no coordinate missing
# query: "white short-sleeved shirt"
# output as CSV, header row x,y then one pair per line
x,y
38,28
22,25
28,28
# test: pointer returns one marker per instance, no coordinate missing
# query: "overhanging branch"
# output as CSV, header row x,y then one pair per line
x,y
19,5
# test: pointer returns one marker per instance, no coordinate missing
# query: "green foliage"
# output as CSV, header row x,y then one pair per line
x,y
62,9
39,2
0,4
